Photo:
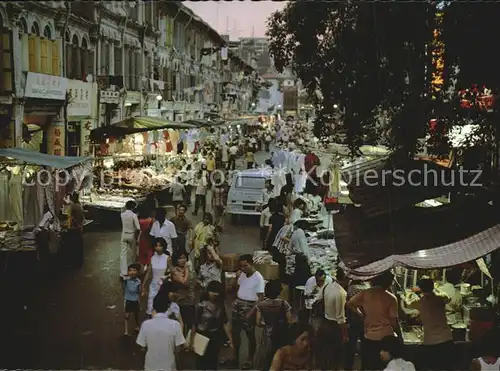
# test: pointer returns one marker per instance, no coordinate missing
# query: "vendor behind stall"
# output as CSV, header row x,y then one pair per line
x,y
299,209
438,339
454,307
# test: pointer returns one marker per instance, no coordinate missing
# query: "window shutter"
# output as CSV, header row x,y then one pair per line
x,y
44,56
32,53
56,66
90,63
25,52
77,62
69,60
118,62
128,68
138,67
6,62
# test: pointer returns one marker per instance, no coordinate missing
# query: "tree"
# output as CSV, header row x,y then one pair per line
x,y
471,69
369,59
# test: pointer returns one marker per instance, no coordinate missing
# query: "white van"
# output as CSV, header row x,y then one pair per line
x,y
247,191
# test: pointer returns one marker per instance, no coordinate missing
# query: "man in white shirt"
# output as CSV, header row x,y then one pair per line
x,y
265,215
332,331
161,336
315,284
130,229
268,192
267,141
250,291
177,190
164,228
233,152
201,193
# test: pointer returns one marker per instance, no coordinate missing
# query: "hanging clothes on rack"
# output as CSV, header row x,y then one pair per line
x,y
174,139
168,142
31,206
5,213
16,196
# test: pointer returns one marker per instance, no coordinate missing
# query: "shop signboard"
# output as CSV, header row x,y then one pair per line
x,y
56,139
41,86
80,96
86,127
111,97
133,97
154,112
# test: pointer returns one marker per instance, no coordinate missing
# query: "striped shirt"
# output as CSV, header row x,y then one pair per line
x,y
218,196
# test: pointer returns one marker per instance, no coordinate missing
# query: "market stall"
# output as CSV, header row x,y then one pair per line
x,y
138,159
33,184
446,242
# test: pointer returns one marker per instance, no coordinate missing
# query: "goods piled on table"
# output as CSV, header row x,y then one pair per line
x,y
264,263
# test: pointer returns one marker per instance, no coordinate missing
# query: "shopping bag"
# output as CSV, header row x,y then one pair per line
x,y
200,343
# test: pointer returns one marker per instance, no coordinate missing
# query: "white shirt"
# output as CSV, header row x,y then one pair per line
x,y
399,364
268,138
249,287
224,154
311,285
46,219
298,243
177,190
130,222
264,217
160,335
166,231
295,215
233,150
335,300
201,188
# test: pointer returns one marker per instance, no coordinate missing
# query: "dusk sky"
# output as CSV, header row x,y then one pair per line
x,y
241,17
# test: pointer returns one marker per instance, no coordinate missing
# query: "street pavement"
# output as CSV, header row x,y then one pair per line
x,y
73,319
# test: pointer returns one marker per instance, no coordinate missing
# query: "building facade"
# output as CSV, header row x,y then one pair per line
x,y
69,67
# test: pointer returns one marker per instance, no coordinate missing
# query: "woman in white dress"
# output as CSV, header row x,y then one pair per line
x,y
155,272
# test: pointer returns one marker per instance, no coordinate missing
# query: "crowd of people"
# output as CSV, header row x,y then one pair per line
x,y
179,270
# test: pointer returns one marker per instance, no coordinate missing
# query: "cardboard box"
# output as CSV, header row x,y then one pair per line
x,y
230,262
269,271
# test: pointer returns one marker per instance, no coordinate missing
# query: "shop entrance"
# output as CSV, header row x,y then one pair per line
x,y
74,139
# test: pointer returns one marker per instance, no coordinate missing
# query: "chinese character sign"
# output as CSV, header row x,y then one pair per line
x,y
56,139
86,145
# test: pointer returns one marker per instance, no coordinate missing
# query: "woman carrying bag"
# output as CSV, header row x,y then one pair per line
x,y
211,322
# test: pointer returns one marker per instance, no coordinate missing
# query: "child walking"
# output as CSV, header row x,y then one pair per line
x,y
132,293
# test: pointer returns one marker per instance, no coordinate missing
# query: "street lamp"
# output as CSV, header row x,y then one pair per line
x,y
159,97
335,106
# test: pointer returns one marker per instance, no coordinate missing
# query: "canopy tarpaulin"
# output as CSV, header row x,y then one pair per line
x,y
419,237
138,124
205,123
29,157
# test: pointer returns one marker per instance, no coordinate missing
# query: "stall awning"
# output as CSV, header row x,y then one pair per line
x,y
418,237
134,125
205,123
29,157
